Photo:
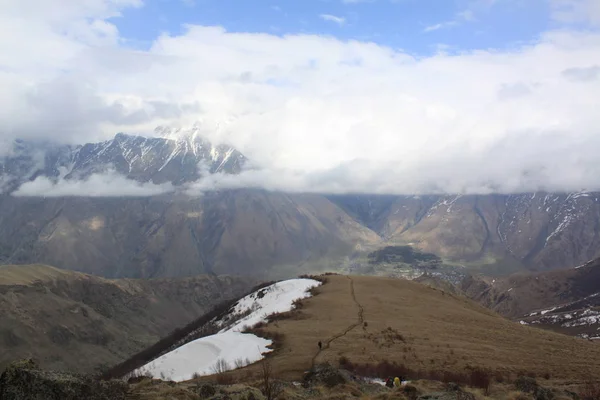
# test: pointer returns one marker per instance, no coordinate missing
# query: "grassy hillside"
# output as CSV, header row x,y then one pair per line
x,y
73,321
370,320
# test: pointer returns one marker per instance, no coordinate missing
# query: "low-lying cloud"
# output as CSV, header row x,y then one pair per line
x,y
109,184
315,113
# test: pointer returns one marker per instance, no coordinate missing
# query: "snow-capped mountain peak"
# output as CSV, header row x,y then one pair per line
x,y
169,158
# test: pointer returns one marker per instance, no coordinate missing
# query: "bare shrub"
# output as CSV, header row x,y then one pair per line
x,y
321,278
138,375
275,337
297,304
269,387
224,379
526,384
220,367
343,361
314,291
590,391
411,392
481,378
547,376
280,316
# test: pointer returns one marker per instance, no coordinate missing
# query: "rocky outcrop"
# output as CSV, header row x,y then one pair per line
x,y
25,381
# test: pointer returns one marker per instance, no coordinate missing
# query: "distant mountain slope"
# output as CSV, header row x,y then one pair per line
x,y
566,300
536,230
232,232
72,321
250,230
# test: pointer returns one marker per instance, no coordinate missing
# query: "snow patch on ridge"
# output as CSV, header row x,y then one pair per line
x,y
276,298
230,346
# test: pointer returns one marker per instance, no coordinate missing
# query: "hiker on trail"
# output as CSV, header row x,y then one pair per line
x,y
389,382
397,382
320,345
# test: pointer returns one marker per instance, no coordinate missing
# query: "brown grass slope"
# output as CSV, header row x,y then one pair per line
x,y
77,322
522,293
422,328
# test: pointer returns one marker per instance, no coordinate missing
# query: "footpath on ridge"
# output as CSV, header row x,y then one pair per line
x,y
360,321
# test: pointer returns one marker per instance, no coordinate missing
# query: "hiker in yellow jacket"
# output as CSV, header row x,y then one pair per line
x,y
397,382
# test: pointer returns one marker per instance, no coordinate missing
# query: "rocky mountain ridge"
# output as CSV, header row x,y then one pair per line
x,y
157,160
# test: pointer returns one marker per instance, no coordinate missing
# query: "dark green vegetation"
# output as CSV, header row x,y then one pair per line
x,y
24,380
404,255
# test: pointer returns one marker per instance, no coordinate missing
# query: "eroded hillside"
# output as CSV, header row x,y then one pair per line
x,y
72,321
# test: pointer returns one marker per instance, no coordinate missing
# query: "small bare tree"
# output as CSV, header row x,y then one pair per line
x,y
240,363
220,367
270,388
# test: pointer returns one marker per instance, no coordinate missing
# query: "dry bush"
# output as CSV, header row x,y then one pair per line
x,y
474,377
455,377
321,278
547,376
314,291
258,325
275,337
343,361
590,391
518,396
220,367
297,304
224,379
280,316
382,370
269,387
481,378
411,392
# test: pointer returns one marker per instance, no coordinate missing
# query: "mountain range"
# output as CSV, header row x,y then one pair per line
x,y
257,232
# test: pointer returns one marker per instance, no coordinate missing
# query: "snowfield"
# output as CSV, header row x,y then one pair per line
x,y
230,347
276,298
200,356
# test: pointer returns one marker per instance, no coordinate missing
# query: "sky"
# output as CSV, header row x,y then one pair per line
x,y
382,96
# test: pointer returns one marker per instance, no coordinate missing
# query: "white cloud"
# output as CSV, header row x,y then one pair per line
x,y
442,25
315,112
466,15
582,74
573,11
109,184
333,18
